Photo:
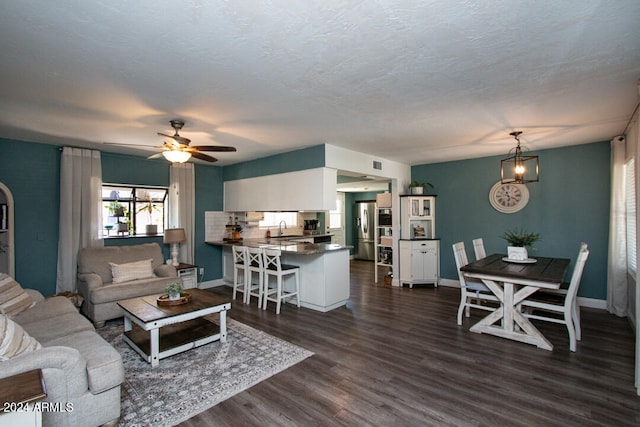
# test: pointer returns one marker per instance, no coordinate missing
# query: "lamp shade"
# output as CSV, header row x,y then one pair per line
x,y
174,235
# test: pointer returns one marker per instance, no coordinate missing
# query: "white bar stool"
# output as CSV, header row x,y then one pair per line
x,y
256,265
273,267
240,265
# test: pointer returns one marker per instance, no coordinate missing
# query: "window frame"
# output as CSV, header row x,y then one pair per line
x,y
133,203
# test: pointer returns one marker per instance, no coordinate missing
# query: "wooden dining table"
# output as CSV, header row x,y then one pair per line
x,y
512,282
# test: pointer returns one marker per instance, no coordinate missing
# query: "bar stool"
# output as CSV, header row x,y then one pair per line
x,y
273,267
240,265
256,265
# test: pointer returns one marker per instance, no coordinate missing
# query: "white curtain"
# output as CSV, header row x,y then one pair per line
x,y
80,211
182,201
617,264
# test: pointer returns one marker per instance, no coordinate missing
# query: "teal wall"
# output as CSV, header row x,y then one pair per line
x,y
569,205
209,197
32,172
306,158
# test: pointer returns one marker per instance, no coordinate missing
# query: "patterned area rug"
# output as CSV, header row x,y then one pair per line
x,y
193,381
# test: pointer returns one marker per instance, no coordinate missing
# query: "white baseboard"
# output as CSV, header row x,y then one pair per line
x,y
449,282
212,284
582,301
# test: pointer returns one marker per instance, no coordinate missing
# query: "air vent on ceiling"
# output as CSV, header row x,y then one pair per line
x,y
377,165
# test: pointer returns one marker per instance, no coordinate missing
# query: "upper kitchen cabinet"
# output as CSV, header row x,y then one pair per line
x,y
306,190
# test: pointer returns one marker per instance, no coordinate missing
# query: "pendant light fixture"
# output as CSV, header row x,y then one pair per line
x,y
517,168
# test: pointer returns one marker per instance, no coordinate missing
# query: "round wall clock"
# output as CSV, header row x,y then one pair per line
x,y
508,198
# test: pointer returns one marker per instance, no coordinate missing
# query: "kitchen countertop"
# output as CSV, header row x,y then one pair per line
x,y
286,245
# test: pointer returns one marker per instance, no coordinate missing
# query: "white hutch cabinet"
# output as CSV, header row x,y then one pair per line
x,y
419,248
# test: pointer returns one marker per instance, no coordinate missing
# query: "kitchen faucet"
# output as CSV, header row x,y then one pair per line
x,y
280,227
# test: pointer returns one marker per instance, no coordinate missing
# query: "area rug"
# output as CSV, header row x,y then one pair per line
x,y
188,383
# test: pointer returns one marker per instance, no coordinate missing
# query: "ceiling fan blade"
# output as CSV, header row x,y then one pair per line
x,y
212,148
178,138
128,145
201,156
155,156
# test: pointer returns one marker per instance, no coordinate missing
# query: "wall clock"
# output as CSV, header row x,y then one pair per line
x,y
508,198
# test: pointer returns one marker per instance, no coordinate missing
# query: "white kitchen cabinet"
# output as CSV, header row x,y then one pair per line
x,y
310,190
419,261
418,217
419,248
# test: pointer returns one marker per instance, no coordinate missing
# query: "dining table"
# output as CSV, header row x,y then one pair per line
x,y
512,281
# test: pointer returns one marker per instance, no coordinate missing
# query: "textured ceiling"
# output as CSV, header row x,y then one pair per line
x,y
412,81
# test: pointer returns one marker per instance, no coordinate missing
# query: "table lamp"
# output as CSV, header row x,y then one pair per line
x,y
174,236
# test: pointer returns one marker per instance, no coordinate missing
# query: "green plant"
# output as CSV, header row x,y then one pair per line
x,y
417,183
117,209
520,238
174,289
148,207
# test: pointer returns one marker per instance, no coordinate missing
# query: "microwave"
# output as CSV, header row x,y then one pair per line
x,y
384,218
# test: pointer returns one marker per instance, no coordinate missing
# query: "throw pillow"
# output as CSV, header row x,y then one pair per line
x,y
13,299
131,271
14,341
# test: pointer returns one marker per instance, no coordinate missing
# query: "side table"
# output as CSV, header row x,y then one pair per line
x,y
189,275
17,394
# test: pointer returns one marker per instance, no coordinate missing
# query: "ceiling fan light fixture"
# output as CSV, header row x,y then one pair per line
x,y
518,168
176,156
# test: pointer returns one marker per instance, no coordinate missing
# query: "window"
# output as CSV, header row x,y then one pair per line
x,y
335,217
273,219
128,210
630,213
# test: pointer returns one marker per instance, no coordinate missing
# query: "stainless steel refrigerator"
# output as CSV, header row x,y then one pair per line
x,y
364,227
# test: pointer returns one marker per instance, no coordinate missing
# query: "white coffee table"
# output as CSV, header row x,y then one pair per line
x,y
156,331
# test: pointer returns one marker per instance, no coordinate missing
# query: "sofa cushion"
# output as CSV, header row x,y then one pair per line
x,y
49,329
14,340
96,260
120,291
49,308
104,364
13,299
131,271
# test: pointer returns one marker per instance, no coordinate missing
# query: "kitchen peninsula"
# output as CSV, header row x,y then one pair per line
x,y
324,268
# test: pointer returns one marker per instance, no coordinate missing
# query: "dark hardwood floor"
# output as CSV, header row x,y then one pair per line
x,y
395,357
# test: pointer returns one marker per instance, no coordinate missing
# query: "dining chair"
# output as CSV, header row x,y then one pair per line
x,y
240,267
470,289
255,263
564,305
274,267
478,248
563,291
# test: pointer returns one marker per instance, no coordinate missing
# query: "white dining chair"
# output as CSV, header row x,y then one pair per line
x,y
274,267
575,315
470,289
240,267
478,248
255,263
565,305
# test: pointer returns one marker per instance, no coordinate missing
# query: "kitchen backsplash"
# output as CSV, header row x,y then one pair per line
x,y
215,223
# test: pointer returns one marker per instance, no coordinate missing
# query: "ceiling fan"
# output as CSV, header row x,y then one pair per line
x,y
176,148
